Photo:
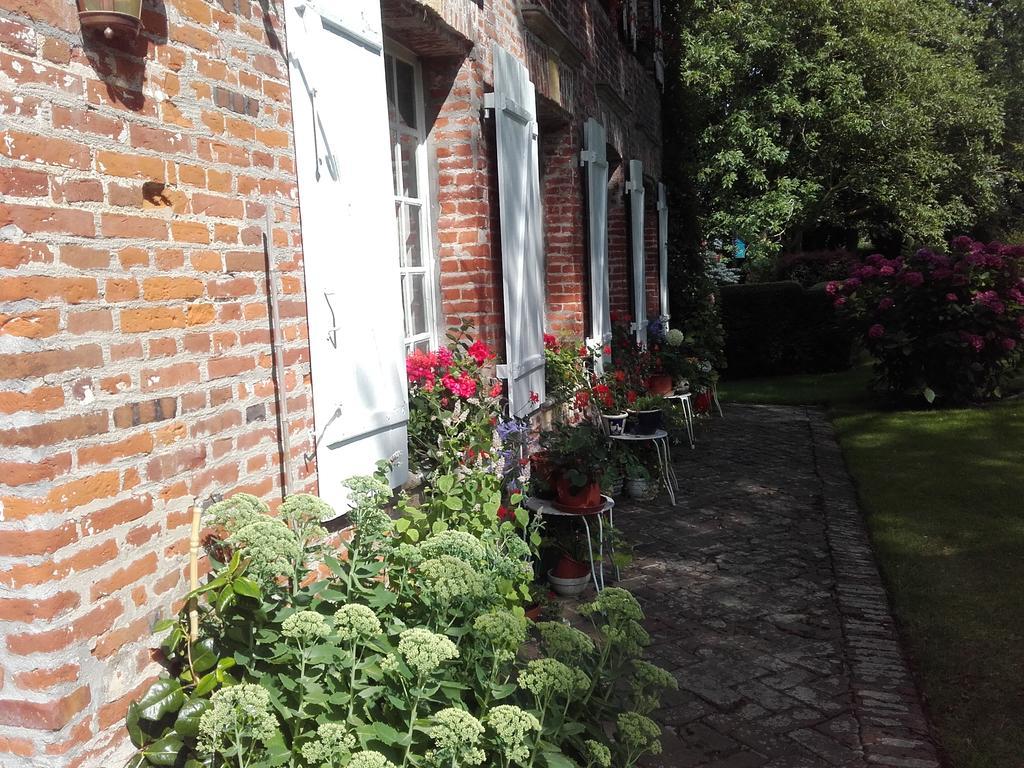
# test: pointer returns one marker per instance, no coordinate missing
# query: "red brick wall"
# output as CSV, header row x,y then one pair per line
x,y
620,275
651,264
135,357
565,231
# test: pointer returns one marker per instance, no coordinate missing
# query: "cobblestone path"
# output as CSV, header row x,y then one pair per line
x,y
764,600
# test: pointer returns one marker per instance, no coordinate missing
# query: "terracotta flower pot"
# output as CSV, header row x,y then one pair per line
x,y
570,568
660,384
588,498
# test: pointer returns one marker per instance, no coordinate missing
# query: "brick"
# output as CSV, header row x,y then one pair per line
x,y
90,321
25,473
43,679
26,364
126,511
57,51
81,191
108,453
88,626
31,325
15,543
130,166
26,611
45,150
34,219
65,498
175,463
38,400
171,288
172,376
190,232
120,290
221,367
53,432
72,290
44,716
146,412
14,255
87,121
157,140
151,319
22,182
18,37
124,577
55,14
118,225
215,205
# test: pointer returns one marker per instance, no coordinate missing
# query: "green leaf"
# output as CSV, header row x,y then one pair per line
x,y
165,751
206,684
522,517
163,625
453,503
246,587
138,760
187,724
557,760
929,395
277,751
445,483
131,722
401,524
163,697
204,657
438,526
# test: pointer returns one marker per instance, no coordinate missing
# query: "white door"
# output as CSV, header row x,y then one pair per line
x,y
353,293
663,252
595,159
635,187
522,243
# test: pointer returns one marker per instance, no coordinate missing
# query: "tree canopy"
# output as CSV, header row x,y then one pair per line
x,y
866,115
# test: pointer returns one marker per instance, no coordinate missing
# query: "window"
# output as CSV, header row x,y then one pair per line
x,y
408,162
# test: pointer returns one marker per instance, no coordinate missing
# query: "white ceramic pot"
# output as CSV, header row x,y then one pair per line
x,y
638,488
568,587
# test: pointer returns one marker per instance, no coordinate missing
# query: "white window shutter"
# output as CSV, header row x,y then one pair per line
x,y
353,294
663,251
595,159
515,116
635,187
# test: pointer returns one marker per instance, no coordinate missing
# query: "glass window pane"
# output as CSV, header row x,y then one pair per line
x,y
412,255
395,177
389,78
407,150
405,89
416,301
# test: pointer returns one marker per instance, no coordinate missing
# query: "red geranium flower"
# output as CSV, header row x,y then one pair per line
x,y
631,397
497,389
479,352
550,342
534,397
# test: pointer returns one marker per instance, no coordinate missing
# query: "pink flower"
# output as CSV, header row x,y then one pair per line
x,y
832,288
991,300
497,389
975,342
913,279
876,331
885,304
444,357
840,302
479,352
886,271
952,297
1009,344
851,284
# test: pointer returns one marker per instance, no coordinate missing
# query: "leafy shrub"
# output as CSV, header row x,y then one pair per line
x,y
809,268
944,326
780,328
567,368
399,654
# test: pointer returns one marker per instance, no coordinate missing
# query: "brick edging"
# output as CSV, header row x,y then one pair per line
x,y
894,728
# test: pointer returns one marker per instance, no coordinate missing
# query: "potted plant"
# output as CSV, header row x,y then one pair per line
x,y
647,413
571,574
638,479
608,399
579,455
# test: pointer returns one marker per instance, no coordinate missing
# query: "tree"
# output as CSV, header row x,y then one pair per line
x,y
866,115
1002,57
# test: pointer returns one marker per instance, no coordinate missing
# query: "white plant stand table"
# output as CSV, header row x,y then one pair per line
x,y
686,403
659,440
547,508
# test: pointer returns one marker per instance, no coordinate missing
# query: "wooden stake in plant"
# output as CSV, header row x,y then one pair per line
x,y
193,568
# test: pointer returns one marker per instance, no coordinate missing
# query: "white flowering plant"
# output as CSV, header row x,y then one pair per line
x,y
398,652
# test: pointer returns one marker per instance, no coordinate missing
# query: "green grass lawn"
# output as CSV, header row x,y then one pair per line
x,y
810,389
944,497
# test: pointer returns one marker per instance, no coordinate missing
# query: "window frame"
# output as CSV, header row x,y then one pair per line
x,y
393,52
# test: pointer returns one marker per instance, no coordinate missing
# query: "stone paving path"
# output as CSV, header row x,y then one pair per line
x,y
764,600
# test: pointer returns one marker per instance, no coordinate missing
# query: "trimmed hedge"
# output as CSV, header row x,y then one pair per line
x,y
774,329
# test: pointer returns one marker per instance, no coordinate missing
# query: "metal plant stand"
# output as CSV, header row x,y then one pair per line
x,y
547,508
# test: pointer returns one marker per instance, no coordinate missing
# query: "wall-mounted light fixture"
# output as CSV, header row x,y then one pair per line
x,y
111,18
